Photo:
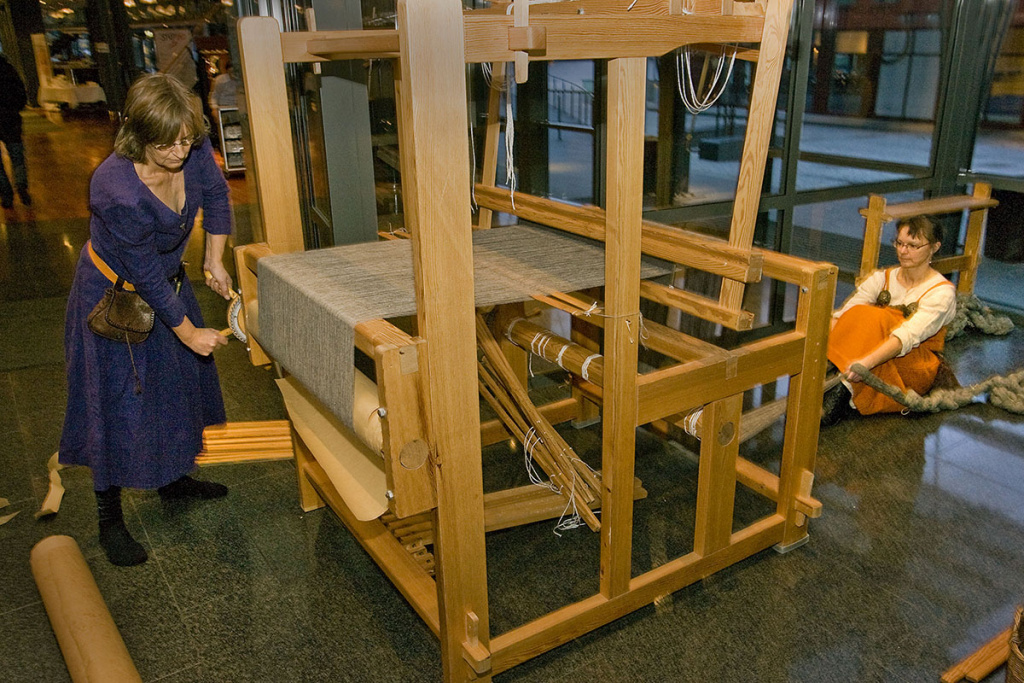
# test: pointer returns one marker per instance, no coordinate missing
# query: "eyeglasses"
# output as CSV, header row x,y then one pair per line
x,y
184,144
909,246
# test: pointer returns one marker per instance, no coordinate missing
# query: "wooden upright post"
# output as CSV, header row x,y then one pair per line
x,y
271,133
492,133
716,478
435,180
626,83
803,408
874,219
972,241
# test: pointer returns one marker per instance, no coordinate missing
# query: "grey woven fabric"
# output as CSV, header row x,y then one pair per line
x,y
310,302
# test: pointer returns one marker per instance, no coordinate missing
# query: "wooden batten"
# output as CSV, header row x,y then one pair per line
x,y
323,46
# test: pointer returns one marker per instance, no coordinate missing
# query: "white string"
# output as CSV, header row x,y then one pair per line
x,y
586,364
511,5
688,89
510,137
530,442
558,358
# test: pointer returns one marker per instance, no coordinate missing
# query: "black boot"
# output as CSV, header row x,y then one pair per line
x,y
187,487
836,405
122,550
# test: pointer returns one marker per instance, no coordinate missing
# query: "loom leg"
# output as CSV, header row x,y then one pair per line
x,y
309,499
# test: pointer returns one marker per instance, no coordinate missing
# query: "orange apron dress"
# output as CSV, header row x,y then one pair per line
x,y
861,330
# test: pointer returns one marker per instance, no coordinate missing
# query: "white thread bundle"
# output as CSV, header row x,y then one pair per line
x,y
688,89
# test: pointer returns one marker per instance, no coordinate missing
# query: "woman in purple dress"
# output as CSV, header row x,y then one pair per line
x,y
136,413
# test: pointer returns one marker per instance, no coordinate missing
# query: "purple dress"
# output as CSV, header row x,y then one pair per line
x,y
148,439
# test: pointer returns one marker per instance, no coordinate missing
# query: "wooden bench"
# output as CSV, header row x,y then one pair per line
x,y
977,204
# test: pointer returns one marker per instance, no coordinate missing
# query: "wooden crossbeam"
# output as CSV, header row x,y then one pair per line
x,y
661,241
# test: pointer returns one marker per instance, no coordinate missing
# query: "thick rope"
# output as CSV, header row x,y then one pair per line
x,y
1004,392
971,313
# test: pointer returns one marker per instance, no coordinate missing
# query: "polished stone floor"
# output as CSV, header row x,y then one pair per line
x,y
917,560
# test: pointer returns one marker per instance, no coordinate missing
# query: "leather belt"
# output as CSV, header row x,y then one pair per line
x,y
107,271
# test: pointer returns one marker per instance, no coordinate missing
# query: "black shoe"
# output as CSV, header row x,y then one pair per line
x,y
835,405
7,202
187,487
122,550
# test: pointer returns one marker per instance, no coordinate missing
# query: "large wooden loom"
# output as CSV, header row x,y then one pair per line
x,y
431,446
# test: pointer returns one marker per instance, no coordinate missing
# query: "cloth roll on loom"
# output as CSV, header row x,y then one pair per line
x,y
89,640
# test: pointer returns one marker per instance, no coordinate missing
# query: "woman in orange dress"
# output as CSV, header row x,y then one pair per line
x,y
893,325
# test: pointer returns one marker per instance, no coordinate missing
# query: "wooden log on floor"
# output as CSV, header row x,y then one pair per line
x,y
983,661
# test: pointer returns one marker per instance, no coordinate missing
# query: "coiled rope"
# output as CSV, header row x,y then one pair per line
x,y
1004,391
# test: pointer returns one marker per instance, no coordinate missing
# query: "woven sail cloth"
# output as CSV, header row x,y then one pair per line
x,y
310,302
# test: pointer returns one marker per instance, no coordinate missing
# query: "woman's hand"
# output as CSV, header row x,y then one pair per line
x,y
217,279
202,340
853,376
205,340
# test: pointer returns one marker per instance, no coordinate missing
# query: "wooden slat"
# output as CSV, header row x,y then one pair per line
x,y
605,37
762,481
625,144
695,304
493,431
663,241
972,239
873,221
399,384
502,510
492,133
952,264
933,207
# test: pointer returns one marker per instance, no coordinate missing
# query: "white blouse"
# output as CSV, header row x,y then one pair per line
x,y
936,308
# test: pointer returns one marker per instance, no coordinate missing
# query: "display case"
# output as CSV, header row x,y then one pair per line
x,y
231,146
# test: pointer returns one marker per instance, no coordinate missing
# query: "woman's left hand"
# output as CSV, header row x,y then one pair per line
x,y
218,280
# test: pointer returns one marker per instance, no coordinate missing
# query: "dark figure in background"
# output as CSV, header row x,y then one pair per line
x,y
12,100
136,413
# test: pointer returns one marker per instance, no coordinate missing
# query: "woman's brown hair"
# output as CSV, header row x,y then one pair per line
x,y
156,110
921,226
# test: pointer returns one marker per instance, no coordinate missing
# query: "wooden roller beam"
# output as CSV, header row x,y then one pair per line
x,y
558,350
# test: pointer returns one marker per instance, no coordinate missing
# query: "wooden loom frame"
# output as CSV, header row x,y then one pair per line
x,y
425,382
